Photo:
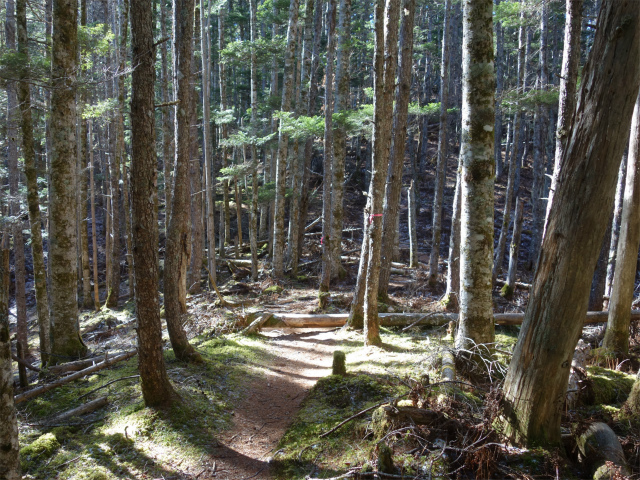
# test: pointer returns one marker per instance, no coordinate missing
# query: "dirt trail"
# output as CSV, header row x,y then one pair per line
x,y
260,420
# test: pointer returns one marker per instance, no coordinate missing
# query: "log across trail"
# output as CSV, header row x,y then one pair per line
x,y
434,319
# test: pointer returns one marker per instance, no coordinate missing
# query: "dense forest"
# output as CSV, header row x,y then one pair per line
x,y
319,239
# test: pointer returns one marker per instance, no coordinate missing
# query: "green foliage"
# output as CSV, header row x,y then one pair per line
x,y
223,117
508,13
529,100
242,138
237,52
93,43
300,127
267,193
100,109
14,64
235,171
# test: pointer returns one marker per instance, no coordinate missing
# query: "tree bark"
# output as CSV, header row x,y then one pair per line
x,y
33,201
168,141
390,218
452,295
615,229
567,93
327,214
441,166
66,341
537,378
381,139
156,389
478,169
510,285
616,338
176,257
9,448
94,225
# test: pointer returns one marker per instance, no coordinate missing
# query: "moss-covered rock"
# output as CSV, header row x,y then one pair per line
x,y
273,289
339,366
42,448
609,386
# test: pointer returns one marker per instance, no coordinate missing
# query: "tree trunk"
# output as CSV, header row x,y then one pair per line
x,y
596,295
342,105
9,448
66,341
176,256
94,225
615,229
616,338
33,201
499,62
478,169
327,234
156,388
441,166
279,231
391,203
168,141
413,235
510,285
567,93
537,378
452,295
381,139
253,230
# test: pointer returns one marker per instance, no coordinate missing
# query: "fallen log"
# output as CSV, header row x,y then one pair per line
x,y
24,363
257,323
601,451
73,366
81,410
58,383
433,319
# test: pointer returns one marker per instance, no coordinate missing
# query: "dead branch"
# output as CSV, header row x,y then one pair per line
x,y
81,410
107,384
257,323
73,366
24,363
58,383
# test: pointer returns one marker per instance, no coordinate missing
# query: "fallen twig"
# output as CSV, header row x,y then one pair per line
x,y
50,386
107,384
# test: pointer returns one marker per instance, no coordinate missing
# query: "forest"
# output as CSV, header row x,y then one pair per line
x,y
319,239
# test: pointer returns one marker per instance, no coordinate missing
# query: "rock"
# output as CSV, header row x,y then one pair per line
x,y
601,452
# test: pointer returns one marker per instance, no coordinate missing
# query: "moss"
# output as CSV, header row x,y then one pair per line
x,y
609,386
273,289
383,307
41,449
339,363
506,291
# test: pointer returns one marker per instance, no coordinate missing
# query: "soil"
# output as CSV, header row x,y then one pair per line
x,y
272,401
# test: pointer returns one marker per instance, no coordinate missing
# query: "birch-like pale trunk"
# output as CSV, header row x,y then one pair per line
x,y
65,332
451,299
615,230
536,383
616,338
567,93
478,169
441,165
514,249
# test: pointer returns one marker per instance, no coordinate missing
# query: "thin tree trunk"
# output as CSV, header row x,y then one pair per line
x,y
391,203
413,235
441,167
510,285
478,168
382,116
536,382
168,141
567,94
499,62
452,296
65,333
156,389
615,229
253,230
616,338
94,225
279,231
176,256
327,213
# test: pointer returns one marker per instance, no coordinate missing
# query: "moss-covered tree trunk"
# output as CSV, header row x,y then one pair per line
x,y
441,166
478,170
177,246
156,388
616,338
9,448
65,332
279,232
390,218
537,379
